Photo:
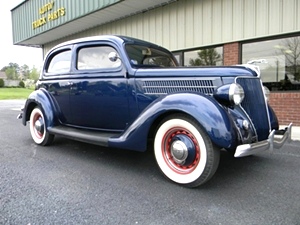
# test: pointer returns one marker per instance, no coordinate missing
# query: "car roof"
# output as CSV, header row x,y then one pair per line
x,y
114,38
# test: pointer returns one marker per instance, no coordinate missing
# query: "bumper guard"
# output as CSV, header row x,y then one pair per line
x,y
271,143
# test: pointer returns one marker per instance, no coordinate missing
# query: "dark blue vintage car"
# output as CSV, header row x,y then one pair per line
x,y
125,93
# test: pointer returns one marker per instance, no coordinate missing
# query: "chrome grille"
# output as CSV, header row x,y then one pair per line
x,y
159,87
255,105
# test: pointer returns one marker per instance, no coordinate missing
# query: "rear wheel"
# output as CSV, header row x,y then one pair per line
x,y
38,130
184,152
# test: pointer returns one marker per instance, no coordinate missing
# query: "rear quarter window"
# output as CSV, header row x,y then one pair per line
x,y
60,62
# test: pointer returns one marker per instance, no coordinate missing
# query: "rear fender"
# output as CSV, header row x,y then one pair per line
x,y
44,100
210,115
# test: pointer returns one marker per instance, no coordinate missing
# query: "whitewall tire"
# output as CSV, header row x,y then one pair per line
x,y
184,152
38,130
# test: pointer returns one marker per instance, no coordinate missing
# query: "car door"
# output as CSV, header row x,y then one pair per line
x,y
56,80
98,91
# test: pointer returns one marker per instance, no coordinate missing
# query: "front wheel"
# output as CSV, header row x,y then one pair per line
x,y
38,130
184,152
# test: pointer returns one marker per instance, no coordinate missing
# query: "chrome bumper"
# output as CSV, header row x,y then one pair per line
x,y
20,116
271,143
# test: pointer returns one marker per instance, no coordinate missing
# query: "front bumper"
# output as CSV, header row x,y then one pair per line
x,y
272,142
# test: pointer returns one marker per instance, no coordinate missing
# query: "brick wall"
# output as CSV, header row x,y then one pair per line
x,y
231,53
286,106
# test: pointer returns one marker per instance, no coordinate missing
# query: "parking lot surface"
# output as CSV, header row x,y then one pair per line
x,y
76,183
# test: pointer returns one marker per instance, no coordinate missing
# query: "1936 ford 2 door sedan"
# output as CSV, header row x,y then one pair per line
x,y
125,93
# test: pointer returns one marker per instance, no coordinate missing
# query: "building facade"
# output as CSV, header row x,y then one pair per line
x,y
199,32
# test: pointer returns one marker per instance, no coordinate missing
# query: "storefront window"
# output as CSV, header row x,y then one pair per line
x,y
204,57
278,60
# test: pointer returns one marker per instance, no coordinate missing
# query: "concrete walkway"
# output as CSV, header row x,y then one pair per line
x,y
295,132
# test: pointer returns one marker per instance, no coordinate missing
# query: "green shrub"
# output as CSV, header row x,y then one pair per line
x,y
21,84
1,83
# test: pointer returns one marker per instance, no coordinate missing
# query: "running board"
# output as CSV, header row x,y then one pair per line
x,y
92,137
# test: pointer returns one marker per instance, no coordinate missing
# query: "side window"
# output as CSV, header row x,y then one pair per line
x,y
60,63
96,57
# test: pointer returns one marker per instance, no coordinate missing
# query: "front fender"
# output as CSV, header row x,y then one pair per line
x,y
273,119
44,100
210,115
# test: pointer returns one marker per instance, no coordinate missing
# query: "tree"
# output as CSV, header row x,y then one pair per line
x,y
1,83
206,57
11,73
34,74
14,72
11,65
24,72
4,68
290,48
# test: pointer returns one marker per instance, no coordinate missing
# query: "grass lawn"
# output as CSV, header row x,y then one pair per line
x,y
14,93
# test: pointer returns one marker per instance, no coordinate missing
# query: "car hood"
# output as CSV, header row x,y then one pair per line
x,y
216,71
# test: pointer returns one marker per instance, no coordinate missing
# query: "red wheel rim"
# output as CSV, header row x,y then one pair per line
x,y
37,133
166,150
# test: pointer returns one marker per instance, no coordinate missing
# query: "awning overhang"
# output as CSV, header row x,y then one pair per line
x,y
112,13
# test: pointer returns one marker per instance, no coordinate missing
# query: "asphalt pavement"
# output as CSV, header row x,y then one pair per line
x,y
76,183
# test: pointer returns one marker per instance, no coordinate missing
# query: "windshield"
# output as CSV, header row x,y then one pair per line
x,y
143,56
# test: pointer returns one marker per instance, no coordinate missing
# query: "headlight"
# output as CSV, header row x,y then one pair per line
x,y
229,94
267,93
236,93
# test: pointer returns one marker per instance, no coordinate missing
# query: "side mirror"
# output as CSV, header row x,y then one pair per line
x,y
113,56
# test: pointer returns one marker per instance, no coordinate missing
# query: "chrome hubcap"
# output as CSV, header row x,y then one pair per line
x,y
39,125
179,152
